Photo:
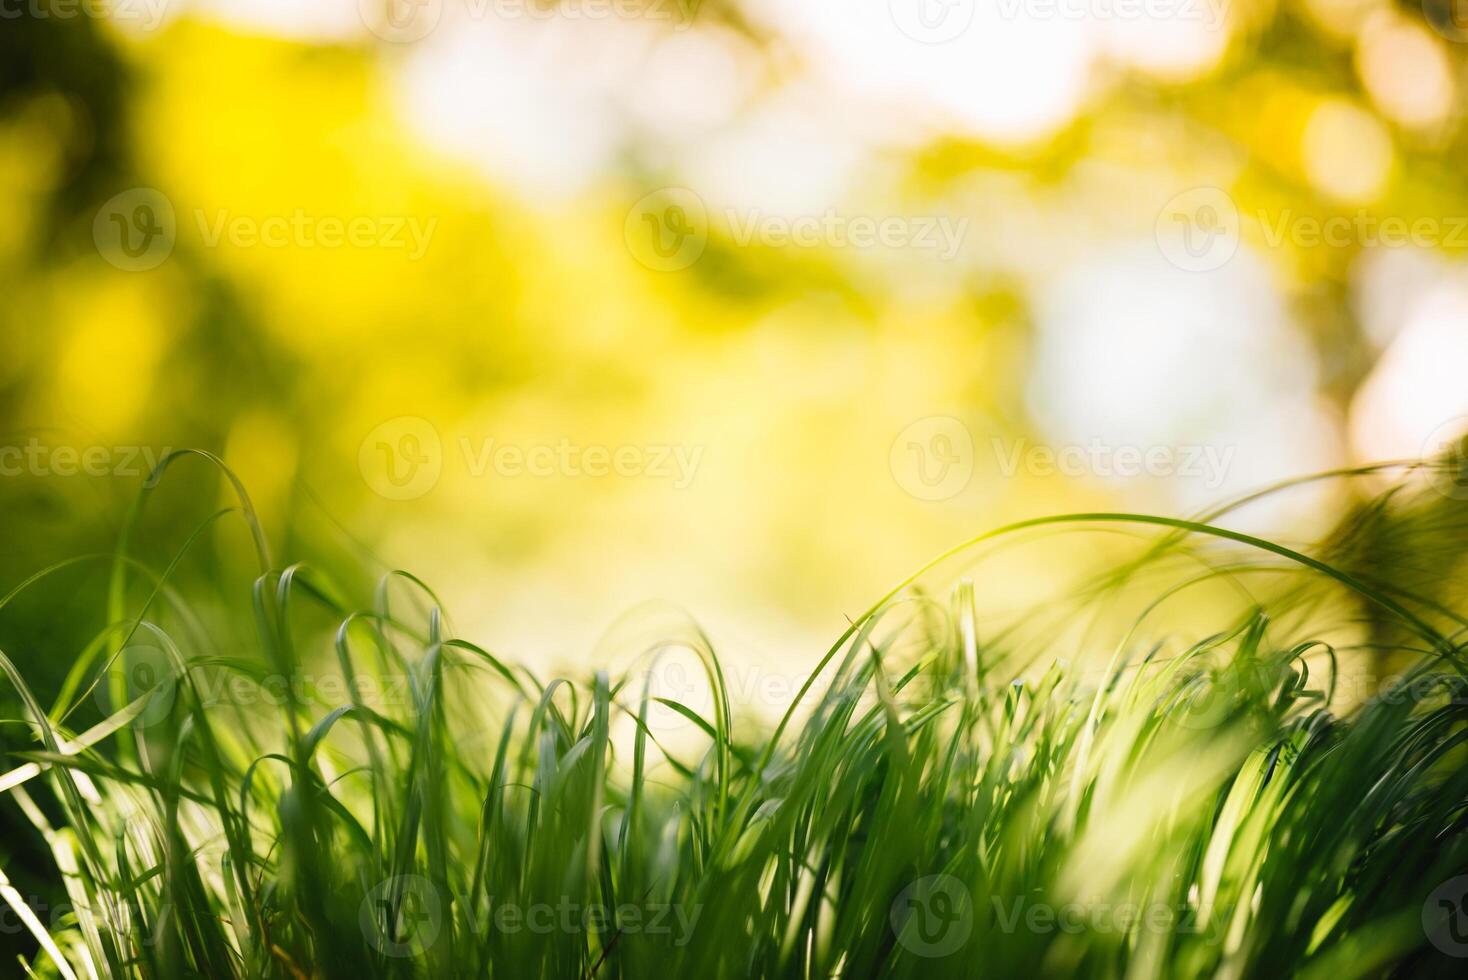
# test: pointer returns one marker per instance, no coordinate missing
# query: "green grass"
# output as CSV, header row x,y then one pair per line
x,y
1072,788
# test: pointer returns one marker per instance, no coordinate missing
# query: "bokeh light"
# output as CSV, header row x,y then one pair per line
x,y
774,238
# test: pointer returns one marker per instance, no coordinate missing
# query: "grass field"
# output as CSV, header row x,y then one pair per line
x,y
954,791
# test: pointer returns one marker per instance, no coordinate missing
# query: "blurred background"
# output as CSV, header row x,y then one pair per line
x,y
747,306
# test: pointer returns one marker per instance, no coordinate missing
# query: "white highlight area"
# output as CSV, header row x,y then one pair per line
x,y
1131,351
1416,392
990,69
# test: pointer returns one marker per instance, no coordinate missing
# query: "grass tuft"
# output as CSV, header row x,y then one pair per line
x,y
1217,756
